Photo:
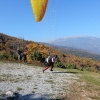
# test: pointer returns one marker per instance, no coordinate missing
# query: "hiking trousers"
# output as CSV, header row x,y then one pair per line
x,y
52,65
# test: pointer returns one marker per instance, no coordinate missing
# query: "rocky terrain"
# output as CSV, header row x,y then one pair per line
x,y
32,84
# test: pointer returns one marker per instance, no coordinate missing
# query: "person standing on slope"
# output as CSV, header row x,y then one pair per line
x,y
50,62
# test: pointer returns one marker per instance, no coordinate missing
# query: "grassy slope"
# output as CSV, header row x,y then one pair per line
x,y
88,86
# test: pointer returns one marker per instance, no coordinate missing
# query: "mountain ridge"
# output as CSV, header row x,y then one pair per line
x,y
87,43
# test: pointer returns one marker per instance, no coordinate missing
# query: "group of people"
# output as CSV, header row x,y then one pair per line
x,y
50,63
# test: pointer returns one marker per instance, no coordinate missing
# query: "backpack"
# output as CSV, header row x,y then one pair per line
x,y
48,60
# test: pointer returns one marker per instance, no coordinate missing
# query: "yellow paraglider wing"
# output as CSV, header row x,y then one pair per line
x,y
39,8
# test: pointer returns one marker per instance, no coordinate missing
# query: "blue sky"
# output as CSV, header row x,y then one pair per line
x,y
63,18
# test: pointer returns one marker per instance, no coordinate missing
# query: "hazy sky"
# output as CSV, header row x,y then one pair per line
x,y
63,18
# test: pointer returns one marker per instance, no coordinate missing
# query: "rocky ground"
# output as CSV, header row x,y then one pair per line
x,y
32,84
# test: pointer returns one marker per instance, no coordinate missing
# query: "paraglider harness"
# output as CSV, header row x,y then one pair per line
x,y
48,61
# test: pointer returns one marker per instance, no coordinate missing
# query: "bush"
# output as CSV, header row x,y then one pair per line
x,y
6,56
59,64
1,56
85,68
70,66
37,56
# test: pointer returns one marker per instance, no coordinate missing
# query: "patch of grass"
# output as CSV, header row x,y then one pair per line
x,y
1,79
52,86
2,94
88,86
35,88
28,77
19,75
95,97
36,85
50,77
50,81
90,77
39,76
92,80
11,78
19,88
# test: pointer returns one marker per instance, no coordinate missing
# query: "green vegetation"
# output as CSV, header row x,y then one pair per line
x,y
65,66
59,64
6,56
80,53
30,52
49,81
91,77
2,94
87,86
19,88
36,56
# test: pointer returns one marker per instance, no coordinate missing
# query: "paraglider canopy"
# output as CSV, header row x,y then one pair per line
x,y
39,8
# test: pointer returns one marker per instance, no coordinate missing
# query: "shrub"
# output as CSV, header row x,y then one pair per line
x,y
1,56
6,56
59,64
37,56
86,68
70,66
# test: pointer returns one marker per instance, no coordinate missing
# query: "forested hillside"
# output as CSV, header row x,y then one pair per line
x,y
14,49
76,52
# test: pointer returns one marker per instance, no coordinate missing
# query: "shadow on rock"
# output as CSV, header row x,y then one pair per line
x,y
35,97
30,97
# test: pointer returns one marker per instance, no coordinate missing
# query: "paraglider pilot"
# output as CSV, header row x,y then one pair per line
x,y
50,62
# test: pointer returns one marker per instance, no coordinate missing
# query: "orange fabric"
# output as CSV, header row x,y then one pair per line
x,y
43,10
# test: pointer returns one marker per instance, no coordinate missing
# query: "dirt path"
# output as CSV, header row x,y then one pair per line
x,y
32,84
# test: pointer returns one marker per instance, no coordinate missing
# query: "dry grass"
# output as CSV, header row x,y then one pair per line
x,y
86,88
83,91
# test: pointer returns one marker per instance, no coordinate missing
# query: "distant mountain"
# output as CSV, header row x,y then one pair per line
x,y
74,51
91,44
